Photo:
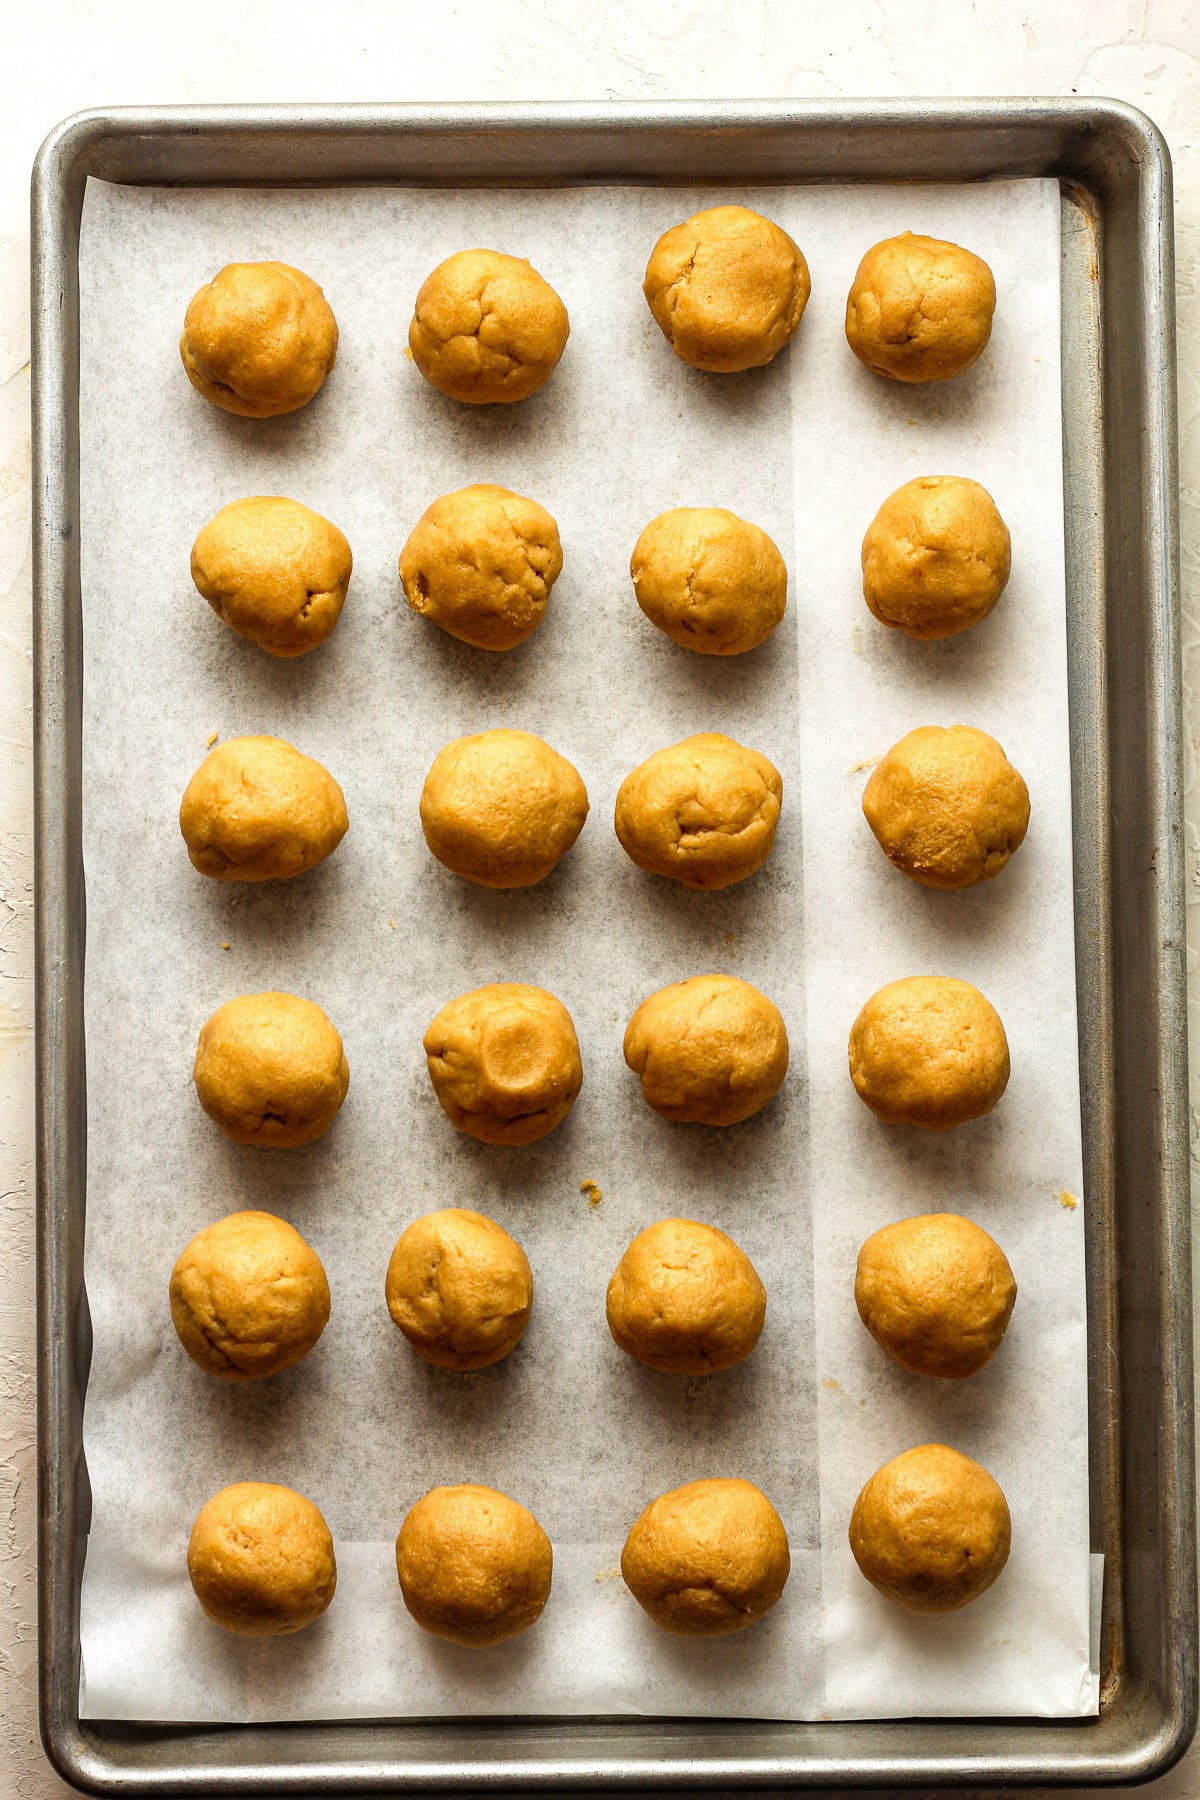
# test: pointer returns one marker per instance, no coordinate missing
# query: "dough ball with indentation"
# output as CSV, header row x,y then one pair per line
x,y
711,1050
504,1062
728,288
713,582
474,1566
501,808
249,1297
708,1558
459,1288
261,1560
703,811
920,309
931,1529
276,572
936,1292
936,557
947,806
685,1299
929,1050
258,810
270,1069
487,327
480,563
259,339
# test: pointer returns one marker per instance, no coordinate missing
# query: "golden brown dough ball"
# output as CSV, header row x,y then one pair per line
x,y
270,1069
504,1062
501,808
258,810
947,806
936,557
480,563
258,339
931,1529
713,582
261,1560
685,1299
459,1288
711,1050
474,1566
708,1558
936,1292
929,1050
276,572
728,288
703,811
487,327
248,1297
920,309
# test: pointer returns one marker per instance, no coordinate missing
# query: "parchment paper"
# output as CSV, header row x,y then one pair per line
x,y
381,936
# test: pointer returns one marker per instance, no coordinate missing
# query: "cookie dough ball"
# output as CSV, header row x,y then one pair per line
x,y
501,808
685,1299
270,1069
276,572
258,810
459,1288
728,288
920,309
936,557
259,339
929,1050
261,1560
931,1530
474,1566
711,1050
936,1292
487,327
947,806
248,1297
504,1062
703,811
707,1559
713,582
480,563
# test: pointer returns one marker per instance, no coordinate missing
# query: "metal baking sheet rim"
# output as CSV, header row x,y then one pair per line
x,y
1122,540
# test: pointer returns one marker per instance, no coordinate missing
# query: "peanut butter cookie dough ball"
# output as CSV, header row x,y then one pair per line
x,y
686,1300
480,563
487,327
248,1297
936,557
707,1559
258,810
259,339
713,582
711,1050
947,807
474,1566
459,1288
261,1560
936,1292
931,1530
703,811
501,808
728,289
504,1062
929,1050
920,309
276,572
270,1069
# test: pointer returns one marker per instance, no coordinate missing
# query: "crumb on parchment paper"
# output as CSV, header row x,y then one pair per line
x,y
226,945
391,924
856,639
592,1189
1067,1200
866,762
211,739
608,1574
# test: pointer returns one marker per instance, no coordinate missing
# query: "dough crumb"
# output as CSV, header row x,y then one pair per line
x,y
731,938
391,924
856,639
1067,1200
867,762
211,739
226,945
408,353
835,1387
608,1574
593,1191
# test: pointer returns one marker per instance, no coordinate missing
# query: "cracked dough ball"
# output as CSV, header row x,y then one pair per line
x,y
703,811
929,1050
713,582
459,1288
501,808
480,563
259,339
248,1297
936,557
936,1292
920,309
276,572
931,1529
946,806
728,289
504,1062
270,1069
707,1559
685,1299
711,1050
487,327
258,810
474,1566
261,1560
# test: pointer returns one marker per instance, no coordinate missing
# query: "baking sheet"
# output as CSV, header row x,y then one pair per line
x,y
381,936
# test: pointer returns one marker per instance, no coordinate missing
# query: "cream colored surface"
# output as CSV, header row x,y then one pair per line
x,y
459,1288
929,1050
931,1530
480,563
727,289
504,1062
270,1069
936,1292
487,327
920,309
936,557
501,808
711,1050
261,1560
258,339
947,807
713,582
248,1297
258,810
685,1299
702,811
708,1558
275,571
474,1566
